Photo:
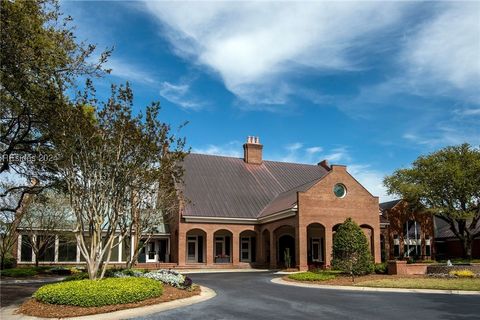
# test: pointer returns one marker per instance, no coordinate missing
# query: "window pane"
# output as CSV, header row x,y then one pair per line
x,y
67,248
47,252
26,250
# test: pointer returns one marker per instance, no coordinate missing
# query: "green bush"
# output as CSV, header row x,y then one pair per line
x,y
351,252
313,276
97,293
381,268
18,272
77,276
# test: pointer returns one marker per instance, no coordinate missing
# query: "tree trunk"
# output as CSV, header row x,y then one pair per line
x,y
467,248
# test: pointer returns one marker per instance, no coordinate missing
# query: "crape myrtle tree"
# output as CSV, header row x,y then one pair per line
x,y
39,60
47,215
445,183
113,163
351,253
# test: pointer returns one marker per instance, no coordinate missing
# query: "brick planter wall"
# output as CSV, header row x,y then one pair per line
x,y
444,269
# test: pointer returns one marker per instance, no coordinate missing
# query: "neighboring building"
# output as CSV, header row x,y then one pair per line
x,y
405,234
247,212
448,246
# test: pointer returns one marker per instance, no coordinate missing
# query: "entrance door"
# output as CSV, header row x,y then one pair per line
x,y
162,250
245,250
317,250
192,249
151,254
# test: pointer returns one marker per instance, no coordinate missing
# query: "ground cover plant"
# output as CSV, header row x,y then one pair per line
x,y
320,275
97,293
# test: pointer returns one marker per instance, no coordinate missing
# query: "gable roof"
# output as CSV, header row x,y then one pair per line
x,y
218,186
389,204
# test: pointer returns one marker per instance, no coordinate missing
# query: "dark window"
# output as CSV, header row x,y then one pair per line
x,y
67,248
47,252
396,246
412,239
26,250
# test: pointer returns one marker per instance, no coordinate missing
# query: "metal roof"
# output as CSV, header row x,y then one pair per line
x,y
218,186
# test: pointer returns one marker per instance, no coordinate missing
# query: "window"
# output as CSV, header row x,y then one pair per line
x,y
67,248
245,249
47,252
339,190
26,249
219,246
396,246
411,239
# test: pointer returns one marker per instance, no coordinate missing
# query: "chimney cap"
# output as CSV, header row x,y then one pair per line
x,y
253,140
324,164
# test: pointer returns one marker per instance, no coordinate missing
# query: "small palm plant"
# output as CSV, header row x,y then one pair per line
x,y
287,258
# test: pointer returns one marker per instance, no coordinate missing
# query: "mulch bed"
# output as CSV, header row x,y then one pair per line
x,y
343,280
32,307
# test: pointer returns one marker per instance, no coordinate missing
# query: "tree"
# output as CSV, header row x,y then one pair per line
x,y
351,253
445,183
112,164
40,59
44,218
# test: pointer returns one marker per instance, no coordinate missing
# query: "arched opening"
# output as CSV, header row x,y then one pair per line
x,y
285,236
368,231
222,246
316,245
248,246
412,239
195,246
266,246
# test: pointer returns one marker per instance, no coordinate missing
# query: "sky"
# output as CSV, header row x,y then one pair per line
x,y
371,85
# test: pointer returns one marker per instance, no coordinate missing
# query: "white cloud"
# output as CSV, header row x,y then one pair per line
x,y
254,46
468,112
371,179
230,149
179,94
314,150
128,71
444,54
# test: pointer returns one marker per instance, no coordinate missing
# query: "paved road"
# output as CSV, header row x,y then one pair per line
x,y
252,296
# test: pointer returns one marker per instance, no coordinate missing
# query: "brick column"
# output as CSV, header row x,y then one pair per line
x,y
301,248
273,251
376,246
328,245
209,240
236,249
182,243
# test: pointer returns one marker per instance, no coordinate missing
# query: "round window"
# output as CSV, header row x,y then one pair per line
x,y
340,190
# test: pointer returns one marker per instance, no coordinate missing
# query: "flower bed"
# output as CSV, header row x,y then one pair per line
x,y
96,293
168,277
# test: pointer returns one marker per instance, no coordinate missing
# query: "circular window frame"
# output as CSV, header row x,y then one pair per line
x,y
344,188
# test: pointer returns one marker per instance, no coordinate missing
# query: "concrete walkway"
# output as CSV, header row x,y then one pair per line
x,y
206,294
355,288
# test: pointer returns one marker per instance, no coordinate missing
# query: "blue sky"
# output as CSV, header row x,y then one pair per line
x,y
368,84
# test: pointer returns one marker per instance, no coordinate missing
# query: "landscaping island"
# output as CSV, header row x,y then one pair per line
x,y
122,289
468,282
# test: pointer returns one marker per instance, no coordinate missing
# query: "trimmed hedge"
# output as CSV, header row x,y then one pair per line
x,y
313,276
97,293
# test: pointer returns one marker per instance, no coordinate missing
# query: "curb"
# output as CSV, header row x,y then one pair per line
x,y
206,294
370,289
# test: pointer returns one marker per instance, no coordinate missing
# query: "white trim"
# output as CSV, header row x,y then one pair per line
x,y
273,217
19,249
57,243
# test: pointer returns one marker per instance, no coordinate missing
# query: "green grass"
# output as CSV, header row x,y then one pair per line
x,y
97,293
314,275
424,283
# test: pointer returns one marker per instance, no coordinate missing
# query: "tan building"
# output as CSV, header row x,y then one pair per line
x,y
249,212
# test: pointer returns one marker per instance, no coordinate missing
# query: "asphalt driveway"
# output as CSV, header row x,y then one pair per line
x,y
252,296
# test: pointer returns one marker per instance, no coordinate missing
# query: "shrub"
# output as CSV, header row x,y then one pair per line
x,y
61,271
381,268
77,276
462,273
351,253
18,272
313,276
97,293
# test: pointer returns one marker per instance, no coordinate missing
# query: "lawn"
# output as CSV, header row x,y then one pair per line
x,y
314,276
424,283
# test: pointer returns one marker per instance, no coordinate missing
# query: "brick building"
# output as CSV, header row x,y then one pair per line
x,y
249,212
405,234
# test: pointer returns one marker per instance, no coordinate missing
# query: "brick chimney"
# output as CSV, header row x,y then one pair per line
x,y
252,150
324,164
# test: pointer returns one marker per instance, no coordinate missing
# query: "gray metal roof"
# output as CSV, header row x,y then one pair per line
x,y
217,186
443,231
